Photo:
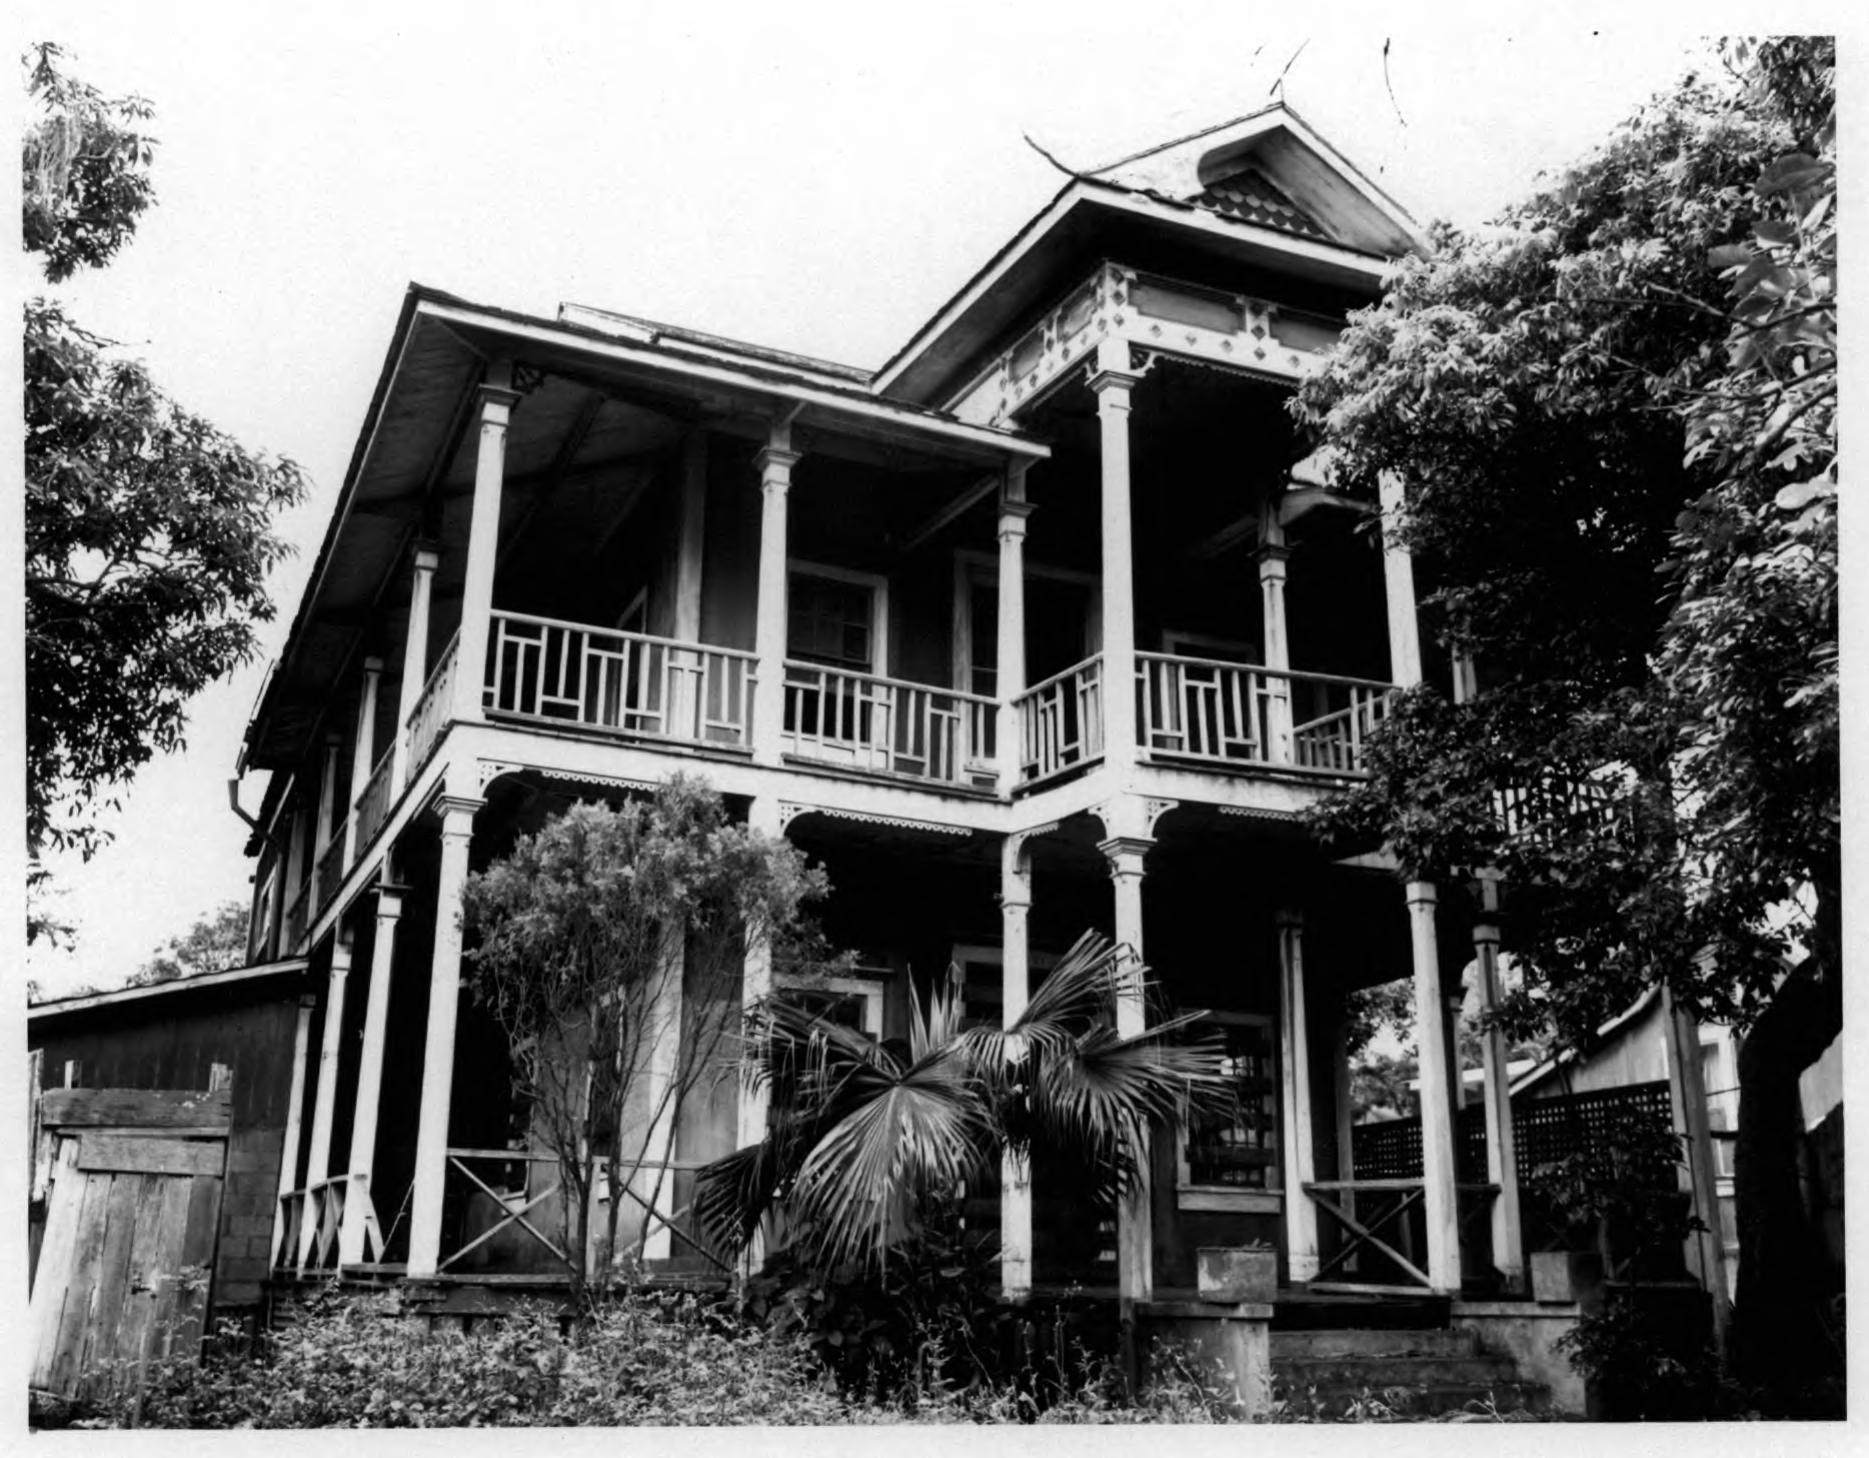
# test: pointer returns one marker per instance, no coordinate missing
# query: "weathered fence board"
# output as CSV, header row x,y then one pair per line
x,y
138,1108
137,1154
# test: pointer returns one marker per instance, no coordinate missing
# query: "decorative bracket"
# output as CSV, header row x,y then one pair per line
x,y
486,771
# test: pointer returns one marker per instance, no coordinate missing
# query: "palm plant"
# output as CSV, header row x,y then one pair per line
x,y
864,1139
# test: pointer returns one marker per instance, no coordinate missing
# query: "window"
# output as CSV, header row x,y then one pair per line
x,y
832,620
850,1002
1241,1152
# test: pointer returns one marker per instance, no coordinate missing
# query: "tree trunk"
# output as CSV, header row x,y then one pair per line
x,y
1784,1345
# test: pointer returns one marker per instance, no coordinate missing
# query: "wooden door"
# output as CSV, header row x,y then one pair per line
x,y
127,1255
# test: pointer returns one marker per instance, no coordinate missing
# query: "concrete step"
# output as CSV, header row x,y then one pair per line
x,y
1363,1403
1380,1373
1374,1342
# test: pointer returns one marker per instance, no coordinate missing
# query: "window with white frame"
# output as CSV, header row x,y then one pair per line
x,y
854,1001
836,618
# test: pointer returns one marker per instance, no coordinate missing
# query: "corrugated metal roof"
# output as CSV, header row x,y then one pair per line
x,y
1253,198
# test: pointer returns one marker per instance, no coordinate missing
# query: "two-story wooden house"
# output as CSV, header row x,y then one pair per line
x,y
1051,603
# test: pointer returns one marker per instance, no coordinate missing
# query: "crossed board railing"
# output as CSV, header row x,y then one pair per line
x,y
1337,1199
515,1214
311,1234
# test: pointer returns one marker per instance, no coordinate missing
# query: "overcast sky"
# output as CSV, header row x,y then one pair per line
x,y
813,178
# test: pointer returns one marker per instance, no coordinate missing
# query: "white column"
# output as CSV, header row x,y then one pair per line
x,y
1299,1144
295,858
1113,383
363,753
1341,1101
687,691
414,662
444,996
370,1075
775,484
1272,558
289,1139
497,399
1502,1156
1009,677
324,1109
1135,1275
1437,1114
1015,1176
756,981
655,1182
1687,1093
1398,578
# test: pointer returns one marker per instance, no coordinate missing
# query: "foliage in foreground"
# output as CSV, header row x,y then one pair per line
x,y
644,1358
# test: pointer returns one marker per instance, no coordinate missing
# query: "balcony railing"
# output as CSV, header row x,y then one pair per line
x,y
297,917
331,866
430,715
1334,739
887,725
1203,708
373,804
599,678
1061,722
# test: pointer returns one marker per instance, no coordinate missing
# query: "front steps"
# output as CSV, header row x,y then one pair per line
x,y
1371,1372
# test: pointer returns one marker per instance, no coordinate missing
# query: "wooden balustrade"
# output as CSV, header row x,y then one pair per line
x,y
314,1220
886,725
631,683
1061,721
331,867
1203,708
430,715
1334,740
373,804
298,916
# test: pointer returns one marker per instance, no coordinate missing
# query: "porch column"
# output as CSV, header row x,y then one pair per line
x,y
1010,677
414,663
289,1139
318,1160
282,874
1295,1085
775,484
1015,1178
1687,1093
1113,383
363,753
756,980
1135,1276
361,1201
1440,1198
444,996
497,398
1342,1099
1502,1156
1273,554
1398,578
654,1180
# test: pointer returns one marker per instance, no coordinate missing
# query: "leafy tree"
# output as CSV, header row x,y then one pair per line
x,y
869,1141
147,530
593,934
214,943
1614,415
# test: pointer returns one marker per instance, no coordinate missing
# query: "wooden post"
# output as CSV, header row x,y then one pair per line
x,y
756,980
414,663
324,1108
327,798
1273,555
370,1074
687,690
1126,849
497,398
1342,1101
363,753
1502,1156
1300,1150
444,995
655,1182
1687,1093
1014,509
775,484
1398,577
1113,382
1437,1115
1015,1186
289,1139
